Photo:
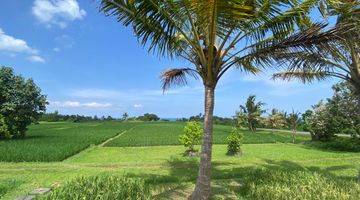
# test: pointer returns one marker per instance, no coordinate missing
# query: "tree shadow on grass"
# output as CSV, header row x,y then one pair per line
x,y
229,181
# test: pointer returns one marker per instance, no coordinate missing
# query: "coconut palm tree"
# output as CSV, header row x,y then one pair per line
x,y
215,36
343,63
294,119
253,111
276,120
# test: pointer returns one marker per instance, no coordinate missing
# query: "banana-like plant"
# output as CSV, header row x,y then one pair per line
x,y
215,36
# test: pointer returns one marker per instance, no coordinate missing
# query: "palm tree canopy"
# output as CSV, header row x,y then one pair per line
x,y
215,35
341,62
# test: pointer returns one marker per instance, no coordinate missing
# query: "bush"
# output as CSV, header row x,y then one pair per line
x,y
148,117
21,103
234,141
192,135
320,126
102,188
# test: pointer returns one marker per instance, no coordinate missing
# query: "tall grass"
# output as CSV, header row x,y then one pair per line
x,y
101,188
7,185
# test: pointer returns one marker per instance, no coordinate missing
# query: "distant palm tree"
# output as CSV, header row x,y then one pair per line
x,y
343,62
215,36
276,120
253,111
294,118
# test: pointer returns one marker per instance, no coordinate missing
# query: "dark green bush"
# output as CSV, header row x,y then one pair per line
x,y
337,144
234,141
102,188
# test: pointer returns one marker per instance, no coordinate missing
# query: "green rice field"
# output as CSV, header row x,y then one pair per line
x,y
271,167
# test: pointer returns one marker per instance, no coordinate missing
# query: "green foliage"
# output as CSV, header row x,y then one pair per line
x,y
251,111
234,141
193,133
320,125
266,184
102,188
56,117
56,141
339,114
305,120
276,120
216,120
4,129
21,103
148,117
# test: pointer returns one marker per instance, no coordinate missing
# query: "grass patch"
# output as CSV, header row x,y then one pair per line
x,y
167,133
56,141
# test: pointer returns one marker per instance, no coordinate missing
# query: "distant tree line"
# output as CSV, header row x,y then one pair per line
x,y
216,119
56,117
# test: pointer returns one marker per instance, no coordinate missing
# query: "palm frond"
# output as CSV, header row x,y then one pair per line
x,y
176,77
304,76
245,65
311,40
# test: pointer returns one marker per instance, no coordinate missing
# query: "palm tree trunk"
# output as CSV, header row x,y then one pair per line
x,y
294,132
202,189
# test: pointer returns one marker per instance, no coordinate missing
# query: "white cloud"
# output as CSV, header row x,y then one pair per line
x,y
36,58
133,94
96,105
77,104
13,46
57,12
10,44
138,106
56,49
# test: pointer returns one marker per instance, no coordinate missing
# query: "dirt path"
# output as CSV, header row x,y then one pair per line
x,y
115,137
99,145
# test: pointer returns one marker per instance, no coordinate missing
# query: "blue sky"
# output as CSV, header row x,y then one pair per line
x,y
89,64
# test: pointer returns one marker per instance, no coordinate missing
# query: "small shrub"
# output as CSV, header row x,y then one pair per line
x,y
191,137
234,141
102,188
